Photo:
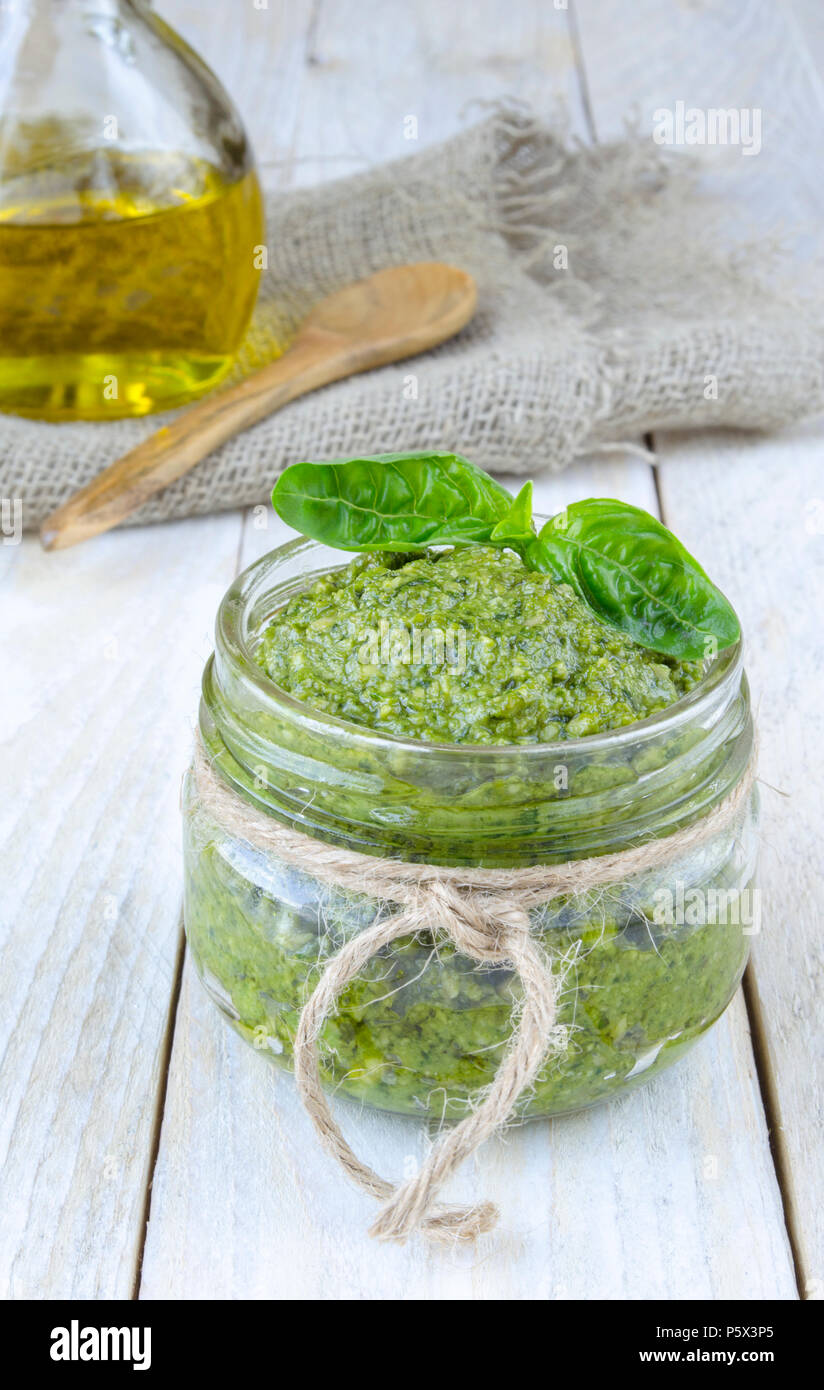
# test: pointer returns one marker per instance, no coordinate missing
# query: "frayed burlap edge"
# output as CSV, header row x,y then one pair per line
x,y
611,291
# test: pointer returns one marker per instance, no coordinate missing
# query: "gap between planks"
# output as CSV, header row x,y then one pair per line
x,y
245,517
165,1059
762,1071
167,1046
767,1086
765,1076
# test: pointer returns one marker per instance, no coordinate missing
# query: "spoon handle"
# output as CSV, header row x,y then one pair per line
x,y
392,314
169,453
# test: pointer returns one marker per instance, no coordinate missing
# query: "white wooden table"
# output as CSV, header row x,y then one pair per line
x,y
144,1148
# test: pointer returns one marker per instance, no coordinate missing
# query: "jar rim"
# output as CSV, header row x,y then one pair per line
x,y
456,803
237,640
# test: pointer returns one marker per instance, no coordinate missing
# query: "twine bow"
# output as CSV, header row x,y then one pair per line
x,y
485,914
494,932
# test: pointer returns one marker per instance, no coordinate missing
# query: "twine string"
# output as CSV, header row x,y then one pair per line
x,y
485,914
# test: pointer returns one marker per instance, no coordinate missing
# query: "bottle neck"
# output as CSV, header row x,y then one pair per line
x,y
35,35
82,76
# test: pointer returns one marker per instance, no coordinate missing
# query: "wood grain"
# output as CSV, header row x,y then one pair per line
x,y
99,696
754,509
669,1193
770,554
105,648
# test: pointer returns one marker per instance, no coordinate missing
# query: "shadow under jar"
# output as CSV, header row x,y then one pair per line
x,y
652,961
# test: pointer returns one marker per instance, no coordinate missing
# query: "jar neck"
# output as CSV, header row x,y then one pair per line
x,y
88,84
459,804
40,16
35,10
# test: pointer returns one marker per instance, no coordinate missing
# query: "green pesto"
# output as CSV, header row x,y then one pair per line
x,y
463,646
422,1031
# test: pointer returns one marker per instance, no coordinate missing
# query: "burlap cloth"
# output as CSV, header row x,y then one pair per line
x,y
609,294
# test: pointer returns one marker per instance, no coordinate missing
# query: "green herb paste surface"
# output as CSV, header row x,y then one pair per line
x,y
463,646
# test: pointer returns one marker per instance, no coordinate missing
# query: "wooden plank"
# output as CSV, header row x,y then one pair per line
x,y
758,509
259,54
108,644
104,646
372,66
742,54
669,1193
615,1203
808,17
755,507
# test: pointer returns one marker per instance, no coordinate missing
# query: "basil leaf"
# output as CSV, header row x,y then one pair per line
x,y
391,501
629,569
636,576
517,524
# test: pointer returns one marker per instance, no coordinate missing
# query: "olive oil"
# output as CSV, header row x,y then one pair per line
x,y
126,283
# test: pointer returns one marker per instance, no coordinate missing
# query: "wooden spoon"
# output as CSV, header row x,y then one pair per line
x,y
394,314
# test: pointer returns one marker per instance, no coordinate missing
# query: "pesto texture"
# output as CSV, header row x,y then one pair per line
x,y
463,646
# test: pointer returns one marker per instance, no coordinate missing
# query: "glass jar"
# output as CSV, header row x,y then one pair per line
x,y
652,961
130,214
